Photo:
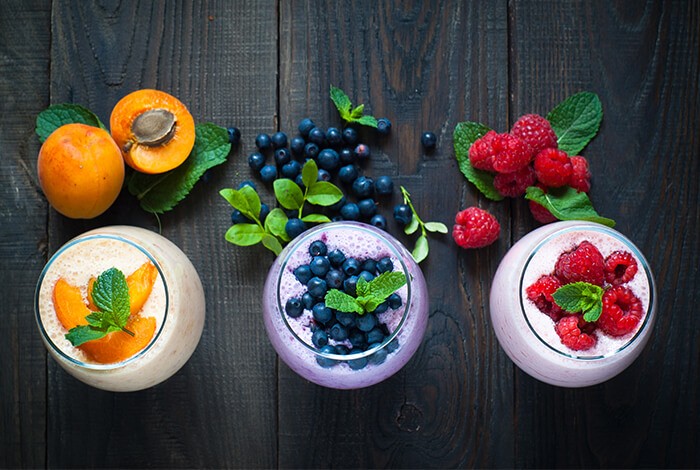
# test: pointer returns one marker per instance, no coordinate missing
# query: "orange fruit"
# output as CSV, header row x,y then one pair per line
x,y
140,284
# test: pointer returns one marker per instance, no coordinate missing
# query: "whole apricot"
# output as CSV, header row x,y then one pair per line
x,y
153,129
81,170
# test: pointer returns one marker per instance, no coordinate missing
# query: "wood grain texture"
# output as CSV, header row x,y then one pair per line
x,y
24,68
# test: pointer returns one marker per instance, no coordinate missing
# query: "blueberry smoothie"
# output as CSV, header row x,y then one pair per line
x,y
330,346
171,301
611,309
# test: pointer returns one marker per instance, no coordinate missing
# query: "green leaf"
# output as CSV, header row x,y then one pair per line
x,y
580,297
438,227
576,121
271,243
567,204
338,300
367,120
464,135
369,304
412,226
357,112
288,193
341,101
386,284
275,223
110,293
82,334
315,218
323,193
362,287
309,173
160,193
245,234
420,251
593,313
253,201
58,115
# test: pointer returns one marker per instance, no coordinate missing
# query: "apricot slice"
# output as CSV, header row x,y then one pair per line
x,y
153,129
140,284
81,170
70,307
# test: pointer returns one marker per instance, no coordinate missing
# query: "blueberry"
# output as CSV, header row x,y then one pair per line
x,y
366,275
318,248
428,140
279,140
282,156
328,159
335,278
317,287
350,211
369,265
351,267
338,205
376,335
347,156
366,322
246,183
363,186
234,136
350,135
326,361
346,319
394,301
321,313
403,214
264,211
296,145
367,208
379,355
317,136
305,126
268,173
350,285
362,152
308,301
381,308
383,126
339,332
311,150
334,137
348,173
319,337
384,186
303,273
336,257
299,180
237,217
263,142
320,265
358,339
385,265
342,349
323,175
256,161
393,346
294,227
378,221
291,170
294,307
357,364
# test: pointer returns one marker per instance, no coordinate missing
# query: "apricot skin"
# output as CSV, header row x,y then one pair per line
x,y
159,158
81,170
140,284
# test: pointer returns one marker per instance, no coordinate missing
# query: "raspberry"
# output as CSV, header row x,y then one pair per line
x,y
535,131
540,293
514,184
622,311
511,153
620,267
583,263
475,228
553,168
580,176
481,152
540,213
571,335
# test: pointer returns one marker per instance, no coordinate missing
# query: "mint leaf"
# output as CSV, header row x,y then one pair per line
x,y
160,193
576,121
323,193
338,300
367,120
84,333
346,110
58,115
288,193
110,293
382,286
580,297
245,234
464,135
567,204
362,287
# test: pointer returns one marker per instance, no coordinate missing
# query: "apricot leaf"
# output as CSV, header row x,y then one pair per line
x,y
58,115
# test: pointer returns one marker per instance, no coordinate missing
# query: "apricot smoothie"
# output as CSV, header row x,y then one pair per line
x,y
166,300
335,348
560,347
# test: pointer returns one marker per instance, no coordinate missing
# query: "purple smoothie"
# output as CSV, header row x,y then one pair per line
x,y
291,337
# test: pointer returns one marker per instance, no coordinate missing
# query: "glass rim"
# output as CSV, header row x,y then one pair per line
x,y
396,250
595,227
47,338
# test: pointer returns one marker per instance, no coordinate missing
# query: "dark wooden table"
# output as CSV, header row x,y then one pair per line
x,y
264,65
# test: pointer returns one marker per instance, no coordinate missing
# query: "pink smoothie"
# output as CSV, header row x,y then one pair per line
x,y
291,337
528,335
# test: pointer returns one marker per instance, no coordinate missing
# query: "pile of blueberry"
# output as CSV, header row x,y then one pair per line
x,y
334,331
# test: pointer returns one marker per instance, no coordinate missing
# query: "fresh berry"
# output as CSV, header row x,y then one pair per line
x,y
256,161
337,258
311,150
263,142
481,152
475,228
540,213
580,176
362,152
347,156
282,156
328,159
622,311
339,332
303,273
350,135
264,211
327,362
237,217
367,322
350,285
366,275
553,168
338,205
317,287
296,145
535,131
305,126
394,301
511,153
367,207
428,140
379,221
385,265
245,183
350,211
384,186
321,313
334,137
369,265
317,136
348,173
291,170
351,267
403,214
335,278
268,173
620,267
294,227
323,175
363,186
279,140
319,337
540,293
514,184
234,136
318,248
583,263
383,126
294,307
571,335
320,266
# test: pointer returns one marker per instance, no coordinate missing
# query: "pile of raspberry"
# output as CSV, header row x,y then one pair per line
x,y
622,310
528,156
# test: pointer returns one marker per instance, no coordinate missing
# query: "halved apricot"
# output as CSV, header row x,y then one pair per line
x,y
140,284
119,345
70,307
153,129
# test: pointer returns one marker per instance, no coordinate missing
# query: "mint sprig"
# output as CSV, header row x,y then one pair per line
x,y
464,135
581,297
370,294
576,121
421,249
567,204
348,113
58,115
110,293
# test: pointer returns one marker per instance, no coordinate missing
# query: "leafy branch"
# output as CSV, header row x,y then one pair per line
x,y
420,251
349,113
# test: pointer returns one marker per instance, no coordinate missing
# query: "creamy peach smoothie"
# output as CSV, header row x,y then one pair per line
x,y
175,301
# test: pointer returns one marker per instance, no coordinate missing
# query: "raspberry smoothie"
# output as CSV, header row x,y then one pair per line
x,y
350,358
528,335
176,302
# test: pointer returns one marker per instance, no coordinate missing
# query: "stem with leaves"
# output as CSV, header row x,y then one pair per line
x,y
421,249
